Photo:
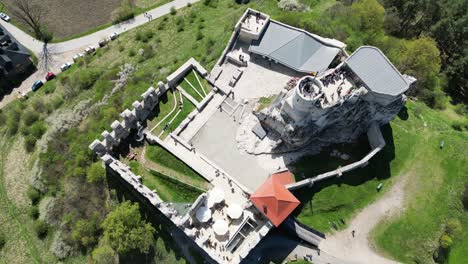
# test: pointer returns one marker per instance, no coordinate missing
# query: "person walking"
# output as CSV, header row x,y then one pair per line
x,y
352,232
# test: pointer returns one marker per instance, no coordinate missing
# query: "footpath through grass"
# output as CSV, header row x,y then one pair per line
x,y
437,179
433,192
339,199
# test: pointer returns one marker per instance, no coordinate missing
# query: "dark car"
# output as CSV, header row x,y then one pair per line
x,y
50,76
36,85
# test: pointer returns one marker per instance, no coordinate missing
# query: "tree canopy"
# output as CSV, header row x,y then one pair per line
x,y
126,230
443,20
95,173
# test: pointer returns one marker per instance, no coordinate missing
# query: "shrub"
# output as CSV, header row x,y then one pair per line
x,y
149,34
33,194
291,5
34,212
131,53
96,173
29,117
41,228
465,197
173,11
2,240
38,129
460,125
104,255
86,78
30,143
189,4
180,28
121,48
454,227
199,35
461,109
445,241
57,102
85,232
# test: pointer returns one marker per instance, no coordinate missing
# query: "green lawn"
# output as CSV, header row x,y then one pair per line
x,y
168,189
162,157
164,107
434,189
265,102
459,252
200,90
340,198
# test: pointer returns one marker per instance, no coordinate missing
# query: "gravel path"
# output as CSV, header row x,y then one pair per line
x,y
358,248
63,52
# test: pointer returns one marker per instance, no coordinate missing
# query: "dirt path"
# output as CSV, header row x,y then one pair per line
x,y
358,248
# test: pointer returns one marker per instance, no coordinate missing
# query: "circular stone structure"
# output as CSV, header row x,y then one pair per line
x,y
305,93
304,101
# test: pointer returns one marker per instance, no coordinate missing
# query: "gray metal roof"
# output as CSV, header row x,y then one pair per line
x,y
295,48
376,71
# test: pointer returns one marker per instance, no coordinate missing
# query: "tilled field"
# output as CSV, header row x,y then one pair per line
x,y
65,18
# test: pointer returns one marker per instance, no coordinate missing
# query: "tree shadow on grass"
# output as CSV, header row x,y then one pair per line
x,y
378,167
165,229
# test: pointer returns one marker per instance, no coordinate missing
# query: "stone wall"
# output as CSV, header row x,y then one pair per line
x,y
176,76
130,120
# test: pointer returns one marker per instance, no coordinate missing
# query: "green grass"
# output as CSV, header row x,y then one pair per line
x,y
164,158
169,189
459,252
164,107
176,117
205,86
434,188
340,198
266,101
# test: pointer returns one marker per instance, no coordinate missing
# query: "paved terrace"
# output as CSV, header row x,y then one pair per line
x,y
260,78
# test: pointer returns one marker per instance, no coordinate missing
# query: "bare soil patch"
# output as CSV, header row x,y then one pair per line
x,y
70,17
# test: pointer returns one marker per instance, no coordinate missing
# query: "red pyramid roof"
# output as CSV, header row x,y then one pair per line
x,y
274,200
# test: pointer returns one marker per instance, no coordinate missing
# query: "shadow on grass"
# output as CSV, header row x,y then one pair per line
x,y
311,166
163,99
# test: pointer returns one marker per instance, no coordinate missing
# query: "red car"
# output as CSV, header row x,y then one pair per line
x,y
50,76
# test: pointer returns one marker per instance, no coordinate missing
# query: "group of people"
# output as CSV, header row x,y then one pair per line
x,y
148,16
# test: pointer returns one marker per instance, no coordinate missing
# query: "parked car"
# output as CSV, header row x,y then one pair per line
x,y
5,17
102,43
113,36
77,56
36,85
50,76
65,66
90,50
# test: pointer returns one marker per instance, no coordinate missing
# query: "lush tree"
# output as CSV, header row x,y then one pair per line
x,y
86,232
443,20
95,173
371,15
126,230
419,58
104,255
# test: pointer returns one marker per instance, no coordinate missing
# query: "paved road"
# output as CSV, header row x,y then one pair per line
x,y
63,51
278,247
